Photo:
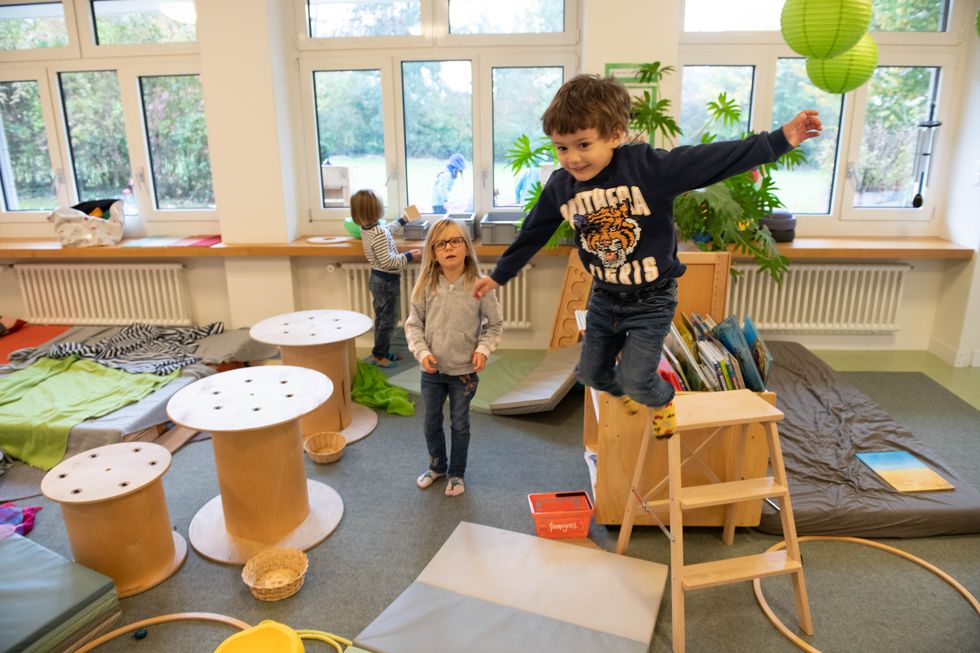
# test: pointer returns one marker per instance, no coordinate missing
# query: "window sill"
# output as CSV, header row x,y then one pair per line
x,y
798,250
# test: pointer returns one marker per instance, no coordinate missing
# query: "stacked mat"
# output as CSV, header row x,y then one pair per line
x,y
50,603
488,590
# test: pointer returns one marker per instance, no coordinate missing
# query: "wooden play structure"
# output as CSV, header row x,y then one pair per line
x,y
323,340
265,498
719,411
614,435
712,472
115,513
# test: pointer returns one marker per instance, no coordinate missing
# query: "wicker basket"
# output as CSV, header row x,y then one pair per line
x,y
325,447
274,574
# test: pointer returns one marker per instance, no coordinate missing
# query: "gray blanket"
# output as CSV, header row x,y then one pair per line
x,y
827,421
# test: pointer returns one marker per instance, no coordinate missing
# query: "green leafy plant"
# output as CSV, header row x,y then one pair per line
x,y
725,215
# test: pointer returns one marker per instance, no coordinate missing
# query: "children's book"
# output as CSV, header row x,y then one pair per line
x,y
904,472
760,352
734,341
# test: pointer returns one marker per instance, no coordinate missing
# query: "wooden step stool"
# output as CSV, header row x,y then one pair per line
x,y
737,409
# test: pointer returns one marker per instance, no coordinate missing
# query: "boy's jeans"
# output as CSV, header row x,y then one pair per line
x,y
460,390
633,322
385,296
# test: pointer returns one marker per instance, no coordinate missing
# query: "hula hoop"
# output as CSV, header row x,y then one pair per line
x,y
796,639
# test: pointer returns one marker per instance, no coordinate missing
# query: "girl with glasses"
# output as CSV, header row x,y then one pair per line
x,y
451,333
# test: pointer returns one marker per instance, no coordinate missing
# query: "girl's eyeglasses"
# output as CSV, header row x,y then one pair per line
x,y
442,244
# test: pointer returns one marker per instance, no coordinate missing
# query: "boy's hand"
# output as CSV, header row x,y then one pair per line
x,y
429,364
805,125
416,254
479,361
484,285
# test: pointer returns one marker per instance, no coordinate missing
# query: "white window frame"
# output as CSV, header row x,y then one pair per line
x,y
483,133
305,42
139,149
393,200
435,32
69,51
129,62
86,37
387,54
932,49
55,154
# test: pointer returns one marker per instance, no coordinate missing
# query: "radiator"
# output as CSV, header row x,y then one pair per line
x,y
151,293
821,298
513,297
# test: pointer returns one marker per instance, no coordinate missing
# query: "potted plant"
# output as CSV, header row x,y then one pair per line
x,y
725,215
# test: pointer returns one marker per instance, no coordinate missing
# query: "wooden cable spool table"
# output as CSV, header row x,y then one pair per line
x,y
323,340
115,512
265,498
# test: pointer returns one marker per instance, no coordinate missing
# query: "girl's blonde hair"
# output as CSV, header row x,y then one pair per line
x,y
428,279
366,208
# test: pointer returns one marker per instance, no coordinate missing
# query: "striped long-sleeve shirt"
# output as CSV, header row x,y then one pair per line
x,y
379,247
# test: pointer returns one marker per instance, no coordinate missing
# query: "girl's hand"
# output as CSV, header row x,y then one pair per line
x,y
484,285
429,364
803,126
479,361
416,254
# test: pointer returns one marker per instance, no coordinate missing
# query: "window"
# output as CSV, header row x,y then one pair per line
x,y
338,19
899,100
420,101
437,101
703,84
350,134
25,161
732,15
864,166
520,97
127,22
763,15
36,25
173,112
97,136
808,189
93,118
506,16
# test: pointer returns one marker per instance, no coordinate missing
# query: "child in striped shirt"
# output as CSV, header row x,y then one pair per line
x,y
366,209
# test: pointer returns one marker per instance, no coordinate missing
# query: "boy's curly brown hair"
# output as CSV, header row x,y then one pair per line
x,y
588,102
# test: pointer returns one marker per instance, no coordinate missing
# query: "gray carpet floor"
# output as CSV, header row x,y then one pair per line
x,y
862,599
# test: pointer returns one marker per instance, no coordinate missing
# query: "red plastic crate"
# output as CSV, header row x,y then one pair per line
x,y
561,514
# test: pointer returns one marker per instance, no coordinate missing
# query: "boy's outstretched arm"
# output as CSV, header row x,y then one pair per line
x,y
804,125
484,285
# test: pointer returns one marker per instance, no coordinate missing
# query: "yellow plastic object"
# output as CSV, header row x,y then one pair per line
x,y
267,637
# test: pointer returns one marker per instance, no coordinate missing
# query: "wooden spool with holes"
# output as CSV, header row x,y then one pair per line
x,y
116,515
323,340
266,500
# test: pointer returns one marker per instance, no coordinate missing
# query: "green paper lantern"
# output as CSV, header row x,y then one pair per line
x,y
847,71
824,28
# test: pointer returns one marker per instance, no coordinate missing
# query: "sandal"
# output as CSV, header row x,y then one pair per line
x,y
428,477
455,487
382,362
392,356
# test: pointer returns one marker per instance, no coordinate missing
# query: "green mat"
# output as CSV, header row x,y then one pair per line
x,y
505,369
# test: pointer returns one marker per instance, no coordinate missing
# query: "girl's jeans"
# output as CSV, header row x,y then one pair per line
x,y
635,323
385,296
460,390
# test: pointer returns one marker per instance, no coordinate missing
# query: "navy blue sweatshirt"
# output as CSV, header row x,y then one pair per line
x,y
623,217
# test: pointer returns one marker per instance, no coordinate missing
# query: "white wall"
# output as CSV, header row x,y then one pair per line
x,y
957,334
